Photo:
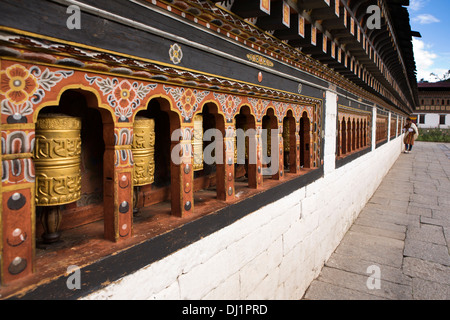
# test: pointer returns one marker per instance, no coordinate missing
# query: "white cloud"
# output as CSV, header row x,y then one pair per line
x,y
424,60
416,5
426,19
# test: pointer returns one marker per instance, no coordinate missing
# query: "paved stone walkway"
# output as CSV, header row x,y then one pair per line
x,y
403,233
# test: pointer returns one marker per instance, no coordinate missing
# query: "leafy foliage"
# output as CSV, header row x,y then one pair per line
x,y
434,135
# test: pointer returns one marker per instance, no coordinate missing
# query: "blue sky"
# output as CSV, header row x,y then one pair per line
x,y
432,51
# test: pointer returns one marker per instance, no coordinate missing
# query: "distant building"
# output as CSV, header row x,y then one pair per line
x,y
433,110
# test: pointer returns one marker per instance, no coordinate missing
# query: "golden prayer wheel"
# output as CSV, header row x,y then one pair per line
x,y
57,159
286,135
197,142
143,149
269,142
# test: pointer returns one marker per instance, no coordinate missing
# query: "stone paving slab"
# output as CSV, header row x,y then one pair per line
x,y
419,211
391,257
371,222
404,231
428,290
360,266
427,233
358,283
403,219
417,268
436,222
426,251
365,240
326,291
371,230
447,237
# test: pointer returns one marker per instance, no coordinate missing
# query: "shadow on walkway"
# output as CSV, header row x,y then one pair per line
x,y
398,247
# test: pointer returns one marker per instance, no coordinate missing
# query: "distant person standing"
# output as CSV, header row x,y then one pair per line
x,y
411,134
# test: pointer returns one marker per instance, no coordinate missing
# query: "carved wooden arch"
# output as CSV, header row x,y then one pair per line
x,y
215,110
305,146
167,105
257,108
245,106
291,156
92,96
273,111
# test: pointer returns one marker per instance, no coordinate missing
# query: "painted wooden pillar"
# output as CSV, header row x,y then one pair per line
x,y
349,136
297,149
225,168
259,148
343,137
118,181
294,146
182,172
339,138
311,145
279,156
255,174
17,217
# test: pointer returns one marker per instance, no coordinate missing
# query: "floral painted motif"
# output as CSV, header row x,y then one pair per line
x,y
124,94
299,112
17,84
187,100
124,97
175,53
24,88
280,110
259,107
46,79
229,105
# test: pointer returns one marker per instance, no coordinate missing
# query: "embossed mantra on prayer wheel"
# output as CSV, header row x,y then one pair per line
x,y
286,135
197,142
143,149
269,142
57,159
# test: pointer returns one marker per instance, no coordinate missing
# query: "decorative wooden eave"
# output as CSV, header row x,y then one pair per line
x,y
227,23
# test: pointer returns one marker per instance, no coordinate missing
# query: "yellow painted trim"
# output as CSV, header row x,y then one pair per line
x,y
17,126
355,110
119,147
16,186
14,156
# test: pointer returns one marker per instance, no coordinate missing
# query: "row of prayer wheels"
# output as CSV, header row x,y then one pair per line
x,y
286,140
57,158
